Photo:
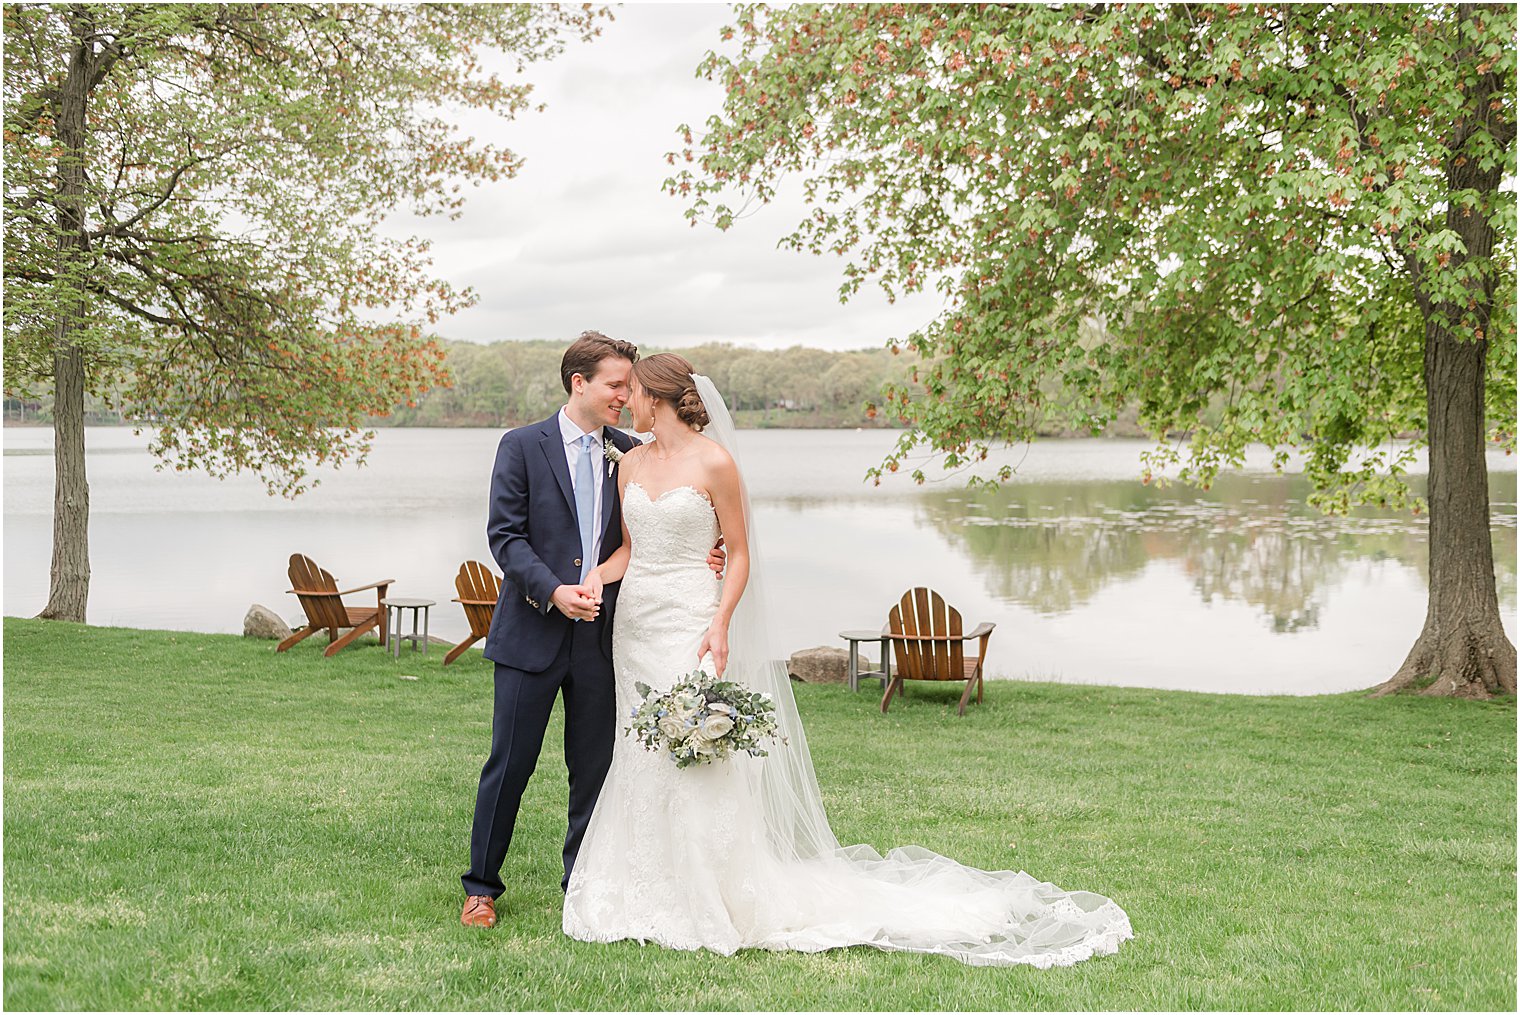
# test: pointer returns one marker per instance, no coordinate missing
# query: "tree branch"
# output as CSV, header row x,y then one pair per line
x,y
118,228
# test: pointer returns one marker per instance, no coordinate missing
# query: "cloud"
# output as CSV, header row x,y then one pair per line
x,y
584,236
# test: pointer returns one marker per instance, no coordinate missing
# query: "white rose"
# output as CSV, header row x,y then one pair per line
x,y
714,727
721,707
703,748
672,726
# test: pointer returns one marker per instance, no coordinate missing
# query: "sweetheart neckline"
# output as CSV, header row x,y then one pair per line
x,y
667,493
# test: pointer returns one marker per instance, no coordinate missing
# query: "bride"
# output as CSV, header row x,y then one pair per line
x,y
738,853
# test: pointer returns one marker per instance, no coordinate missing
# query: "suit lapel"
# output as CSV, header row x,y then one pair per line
x,y
625,444
553,444
609,485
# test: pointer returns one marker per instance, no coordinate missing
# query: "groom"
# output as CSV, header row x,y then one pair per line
x,y
554,515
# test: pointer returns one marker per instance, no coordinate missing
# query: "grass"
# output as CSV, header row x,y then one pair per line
x,y
192,821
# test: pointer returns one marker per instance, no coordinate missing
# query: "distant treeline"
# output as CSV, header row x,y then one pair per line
x,y
508,384
511,383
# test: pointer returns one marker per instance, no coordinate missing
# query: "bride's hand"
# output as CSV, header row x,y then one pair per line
x,y
716,642
593,586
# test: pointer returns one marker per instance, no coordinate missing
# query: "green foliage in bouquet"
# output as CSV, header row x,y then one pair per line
x,y
702,719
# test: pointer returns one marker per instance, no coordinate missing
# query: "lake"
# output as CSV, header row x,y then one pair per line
x,y
1089,575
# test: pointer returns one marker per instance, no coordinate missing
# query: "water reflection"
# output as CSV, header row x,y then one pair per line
x,y
1089,575
1054,546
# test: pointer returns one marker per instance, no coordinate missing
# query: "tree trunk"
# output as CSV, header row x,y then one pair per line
x,y
1462,650
69,587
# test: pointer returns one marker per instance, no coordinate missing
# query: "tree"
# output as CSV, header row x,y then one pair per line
x,y
851,381
193,200
1294,211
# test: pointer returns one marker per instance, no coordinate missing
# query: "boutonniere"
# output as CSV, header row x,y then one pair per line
x,y
611,453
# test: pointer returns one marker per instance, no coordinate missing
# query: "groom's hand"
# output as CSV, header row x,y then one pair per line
x,y
717,558
573,602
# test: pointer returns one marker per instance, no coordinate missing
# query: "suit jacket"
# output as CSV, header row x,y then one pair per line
x,y
532,530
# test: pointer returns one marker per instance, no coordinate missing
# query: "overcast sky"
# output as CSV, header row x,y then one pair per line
x,y
584,237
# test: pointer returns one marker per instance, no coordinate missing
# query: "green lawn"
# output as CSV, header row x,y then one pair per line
x,y
192,821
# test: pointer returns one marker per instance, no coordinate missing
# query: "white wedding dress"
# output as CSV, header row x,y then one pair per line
x,y
694,857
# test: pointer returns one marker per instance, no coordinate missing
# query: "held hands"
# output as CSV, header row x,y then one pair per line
x,y
593,586
576,603
717,559
716,642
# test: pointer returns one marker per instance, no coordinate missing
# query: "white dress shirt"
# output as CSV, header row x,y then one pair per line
x,y
572,433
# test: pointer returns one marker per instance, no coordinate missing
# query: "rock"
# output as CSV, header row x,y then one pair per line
x,y
262,622
822,665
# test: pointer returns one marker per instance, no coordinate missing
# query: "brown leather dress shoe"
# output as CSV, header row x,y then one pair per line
x,y
479,911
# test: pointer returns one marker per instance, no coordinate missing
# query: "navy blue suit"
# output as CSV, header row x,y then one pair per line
x,y
539,652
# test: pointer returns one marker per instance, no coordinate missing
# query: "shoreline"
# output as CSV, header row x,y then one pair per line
x,y
868,688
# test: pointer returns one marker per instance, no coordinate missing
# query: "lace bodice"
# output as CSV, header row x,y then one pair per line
x,y
672,531
668,594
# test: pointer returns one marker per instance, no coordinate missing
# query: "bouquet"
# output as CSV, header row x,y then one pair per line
x,y
703,718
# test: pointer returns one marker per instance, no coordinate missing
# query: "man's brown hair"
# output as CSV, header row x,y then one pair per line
x,y
588,351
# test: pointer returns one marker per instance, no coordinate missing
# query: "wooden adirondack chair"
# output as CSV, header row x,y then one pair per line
x,y
928,644
324,607
478,589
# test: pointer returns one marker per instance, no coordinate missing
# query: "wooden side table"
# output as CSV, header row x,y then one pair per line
x,y
883,674
395,605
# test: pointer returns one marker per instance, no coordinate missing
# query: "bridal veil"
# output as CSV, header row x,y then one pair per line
x,y
911,899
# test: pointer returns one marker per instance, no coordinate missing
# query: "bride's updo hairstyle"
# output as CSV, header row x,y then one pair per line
x,y
667,377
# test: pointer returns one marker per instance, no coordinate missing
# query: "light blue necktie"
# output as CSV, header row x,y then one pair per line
x,y
585,502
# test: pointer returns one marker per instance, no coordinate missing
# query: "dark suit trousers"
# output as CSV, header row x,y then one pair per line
x,y
523,703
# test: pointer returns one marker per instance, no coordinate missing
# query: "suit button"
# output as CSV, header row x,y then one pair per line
x,y
577,562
